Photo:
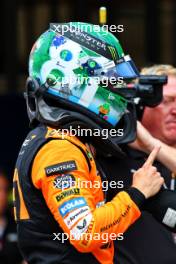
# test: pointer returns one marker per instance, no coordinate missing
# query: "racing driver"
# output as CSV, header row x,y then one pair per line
x,y
51,199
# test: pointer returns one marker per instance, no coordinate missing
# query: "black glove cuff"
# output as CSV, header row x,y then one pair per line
x,y
137,196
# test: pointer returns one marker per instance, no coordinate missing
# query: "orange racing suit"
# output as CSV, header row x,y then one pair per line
x,y
57,186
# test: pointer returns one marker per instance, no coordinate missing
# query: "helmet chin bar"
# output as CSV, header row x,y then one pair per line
x,y
60,115
64,119
130,120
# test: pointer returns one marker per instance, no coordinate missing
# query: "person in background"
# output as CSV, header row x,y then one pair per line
x,y
158,124
147,241
9,252
164,115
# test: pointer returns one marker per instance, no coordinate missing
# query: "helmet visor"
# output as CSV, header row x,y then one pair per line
x,y
124,67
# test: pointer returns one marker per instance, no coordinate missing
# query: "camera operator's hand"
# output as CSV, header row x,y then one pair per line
x,y
145,141
147,179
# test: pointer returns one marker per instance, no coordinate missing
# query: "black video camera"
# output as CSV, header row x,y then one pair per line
x,y
148,90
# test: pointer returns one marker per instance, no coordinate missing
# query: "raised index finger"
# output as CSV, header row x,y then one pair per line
x,y
152,157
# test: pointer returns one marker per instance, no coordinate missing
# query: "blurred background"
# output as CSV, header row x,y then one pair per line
x,y
149,37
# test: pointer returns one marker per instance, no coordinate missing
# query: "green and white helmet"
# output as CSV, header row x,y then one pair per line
x,y
70,73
